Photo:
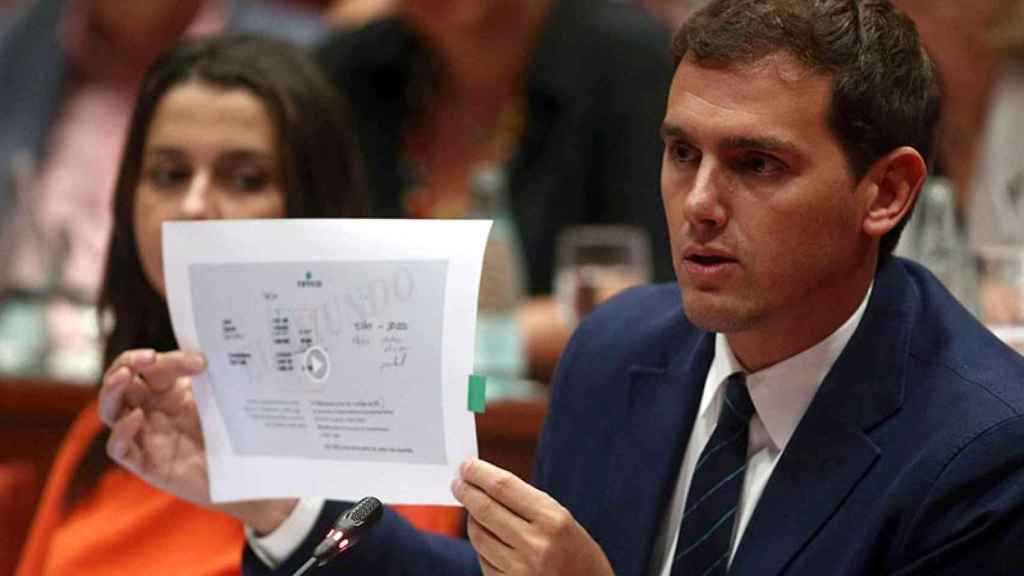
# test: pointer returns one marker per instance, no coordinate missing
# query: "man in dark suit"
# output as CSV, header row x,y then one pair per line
x,y
802,402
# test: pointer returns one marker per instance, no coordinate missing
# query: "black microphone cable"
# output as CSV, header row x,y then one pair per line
x,y
348,530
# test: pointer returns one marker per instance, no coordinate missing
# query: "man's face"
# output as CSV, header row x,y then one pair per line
x,y
763,210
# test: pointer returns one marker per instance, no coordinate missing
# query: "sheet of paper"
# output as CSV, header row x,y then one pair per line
x,y
338,352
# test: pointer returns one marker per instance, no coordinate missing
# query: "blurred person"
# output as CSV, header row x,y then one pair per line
x,y
70,70
440,89
973,46
7,9
223,128
972,208
562,98
996,205
672,12
801,401
1008,31
356,13
956,34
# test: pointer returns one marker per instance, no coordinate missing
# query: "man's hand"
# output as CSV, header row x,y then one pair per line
x,y
146,400
517,529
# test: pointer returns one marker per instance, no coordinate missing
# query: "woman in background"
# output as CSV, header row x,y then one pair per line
x,y
223,128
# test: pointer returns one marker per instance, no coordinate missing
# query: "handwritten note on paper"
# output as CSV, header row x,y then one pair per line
x,y
330,377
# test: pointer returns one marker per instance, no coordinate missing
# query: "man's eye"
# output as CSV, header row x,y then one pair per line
x,y
760,164
167,176
683,153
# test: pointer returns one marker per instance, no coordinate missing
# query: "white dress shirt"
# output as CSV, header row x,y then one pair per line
x,y
781,394
276,547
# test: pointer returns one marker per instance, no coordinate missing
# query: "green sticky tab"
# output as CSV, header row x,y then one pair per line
x,y
477,393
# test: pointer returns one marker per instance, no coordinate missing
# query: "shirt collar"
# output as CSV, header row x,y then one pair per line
x,y
782,392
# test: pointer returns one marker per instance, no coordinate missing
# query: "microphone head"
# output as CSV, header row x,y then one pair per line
x,y
349,528
365,512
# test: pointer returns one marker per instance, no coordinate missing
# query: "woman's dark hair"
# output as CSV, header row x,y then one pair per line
x,y
885,91
319,167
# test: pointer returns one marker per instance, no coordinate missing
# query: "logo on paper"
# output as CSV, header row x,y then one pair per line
x,y
310,282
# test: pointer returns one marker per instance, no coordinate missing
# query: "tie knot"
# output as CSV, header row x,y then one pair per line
x,y
737,398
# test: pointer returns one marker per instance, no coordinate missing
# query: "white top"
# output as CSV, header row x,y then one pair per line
x,y
277,546
781,394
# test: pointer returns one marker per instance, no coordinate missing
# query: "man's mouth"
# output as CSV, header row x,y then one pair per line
x,y
709,260
703,256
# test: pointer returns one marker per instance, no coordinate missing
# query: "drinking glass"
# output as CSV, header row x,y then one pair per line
x,y
48,328
997,235
1001,291
593,263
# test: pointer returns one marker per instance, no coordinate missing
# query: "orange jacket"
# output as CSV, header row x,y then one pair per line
x,y
127,527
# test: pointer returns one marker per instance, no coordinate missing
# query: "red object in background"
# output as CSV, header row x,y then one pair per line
x,y
19,483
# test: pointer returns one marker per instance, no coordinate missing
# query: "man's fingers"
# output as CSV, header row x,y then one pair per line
x,y
506,488
486,511
169,366
495,556
487,568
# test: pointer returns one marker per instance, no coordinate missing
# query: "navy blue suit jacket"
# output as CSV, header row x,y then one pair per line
x,y
909,460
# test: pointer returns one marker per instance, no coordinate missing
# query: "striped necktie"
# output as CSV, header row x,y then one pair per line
x,y
705,535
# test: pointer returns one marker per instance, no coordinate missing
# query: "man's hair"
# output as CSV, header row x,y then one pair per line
x,y
885,90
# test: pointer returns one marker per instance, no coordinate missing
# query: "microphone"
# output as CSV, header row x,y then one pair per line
x,y
348,530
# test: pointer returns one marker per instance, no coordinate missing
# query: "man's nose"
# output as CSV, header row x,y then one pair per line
x,y
703,206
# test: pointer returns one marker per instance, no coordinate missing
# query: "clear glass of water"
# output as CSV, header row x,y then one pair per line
x,y
997,236
1001,291
593,263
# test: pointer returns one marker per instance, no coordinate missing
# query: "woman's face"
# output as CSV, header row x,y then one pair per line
x,y
210,154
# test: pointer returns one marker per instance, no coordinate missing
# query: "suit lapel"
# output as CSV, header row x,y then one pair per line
x,y
647,452
831,450
803,492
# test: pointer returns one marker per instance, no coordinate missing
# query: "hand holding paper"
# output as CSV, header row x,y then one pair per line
x,y
519,530
146,400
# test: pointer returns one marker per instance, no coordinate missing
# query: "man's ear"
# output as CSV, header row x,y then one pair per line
x,y
892,184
